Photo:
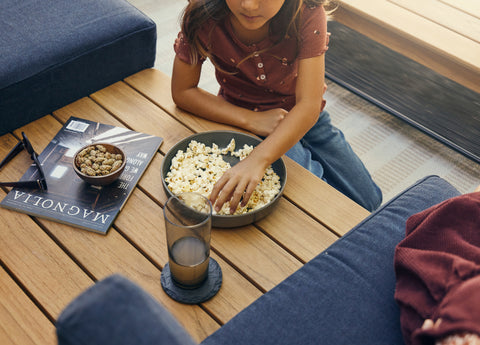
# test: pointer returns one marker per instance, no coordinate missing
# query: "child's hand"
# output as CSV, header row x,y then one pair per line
x,y
265,122
237,184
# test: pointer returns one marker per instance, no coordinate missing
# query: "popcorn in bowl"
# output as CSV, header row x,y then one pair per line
x,y
199,167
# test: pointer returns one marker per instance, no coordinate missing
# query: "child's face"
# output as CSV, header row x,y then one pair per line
x,y
254,15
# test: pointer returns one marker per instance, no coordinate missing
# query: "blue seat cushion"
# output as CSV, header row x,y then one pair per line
x,y
116,311
346,294
56,51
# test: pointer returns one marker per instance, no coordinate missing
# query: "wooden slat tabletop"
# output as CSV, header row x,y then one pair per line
x,y
21,322
45,264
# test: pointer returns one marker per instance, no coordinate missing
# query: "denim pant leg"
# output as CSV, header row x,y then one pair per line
x,y
325,152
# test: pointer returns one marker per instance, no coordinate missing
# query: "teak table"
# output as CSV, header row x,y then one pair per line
x,y
45,264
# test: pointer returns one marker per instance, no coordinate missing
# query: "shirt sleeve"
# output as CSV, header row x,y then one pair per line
x,y
437,267
314,36
183,51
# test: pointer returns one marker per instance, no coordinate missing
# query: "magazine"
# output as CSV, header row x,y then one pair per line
x,y
69,199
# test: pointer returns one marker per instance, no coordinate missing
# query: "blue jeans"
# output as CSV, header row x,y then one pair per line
x,y
325,152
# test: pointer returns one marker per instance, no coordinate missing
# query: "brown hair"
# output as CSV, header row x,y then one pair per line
x,y
285,23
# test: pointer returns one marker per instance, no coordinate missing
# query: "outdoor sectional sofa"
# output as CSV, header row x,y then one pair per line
x,y
342,296
53,52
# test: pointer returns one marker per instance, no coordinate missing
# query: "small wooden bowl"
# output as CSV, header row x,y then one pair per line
x,y
101,180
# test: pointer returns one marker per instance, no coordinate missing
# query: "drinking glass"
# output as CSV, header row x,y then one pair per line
x,y
188,225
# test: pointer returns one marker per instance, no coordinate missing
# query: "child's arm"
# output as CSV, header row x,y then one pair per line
x,y
187,95
239,182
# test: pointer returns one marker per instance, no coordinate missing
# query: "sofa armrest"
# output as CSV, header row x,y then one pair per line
x,y
116,311
55,52
345,295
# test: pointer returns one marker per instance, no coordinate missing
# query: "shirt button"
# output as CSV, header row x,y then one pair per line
x,y
260,65
263,76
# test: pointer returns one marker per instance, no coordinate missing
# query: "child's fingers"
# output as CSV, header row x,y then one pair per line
x,y
248,193
216,191
237,195
226,187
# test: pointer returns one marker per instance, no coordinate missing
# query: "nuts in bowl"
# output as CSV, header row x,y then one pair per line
x,y
100,163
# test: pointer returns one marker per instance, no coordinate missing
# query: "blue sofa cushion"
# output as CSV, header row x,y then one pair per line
x,y
116,311
56,51
346,294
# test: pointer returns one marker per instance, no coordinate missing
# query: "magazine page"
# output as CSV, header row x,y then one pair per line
x,y
69,199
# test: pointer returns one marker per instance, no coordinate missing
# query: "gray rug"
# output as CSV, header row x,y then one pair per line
x,y
427,100
396,154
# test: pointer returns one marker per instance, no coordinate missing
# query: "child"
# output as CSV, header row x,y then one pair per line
x,y
269,61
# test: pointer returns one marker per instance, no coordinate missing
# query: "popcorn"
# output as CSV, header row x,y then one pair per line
x,y
199,167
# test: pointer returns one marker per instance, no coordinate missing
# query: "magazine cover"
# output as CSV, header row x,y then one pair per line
x,y
69,199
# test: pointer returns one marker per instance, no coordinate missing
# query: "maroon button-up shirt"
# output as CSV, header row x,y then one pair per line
x,y
267,79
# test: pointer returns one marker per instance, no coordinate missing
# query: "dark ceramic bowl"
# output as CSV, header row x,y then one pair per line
x,y
102,180
222,139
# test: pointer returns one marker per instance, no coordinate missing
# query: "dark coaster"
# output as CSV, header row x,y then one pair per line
x,y
204,292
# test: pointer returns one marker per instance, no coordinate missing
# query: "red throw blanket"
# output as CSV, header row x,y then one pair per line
x,y
437,268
